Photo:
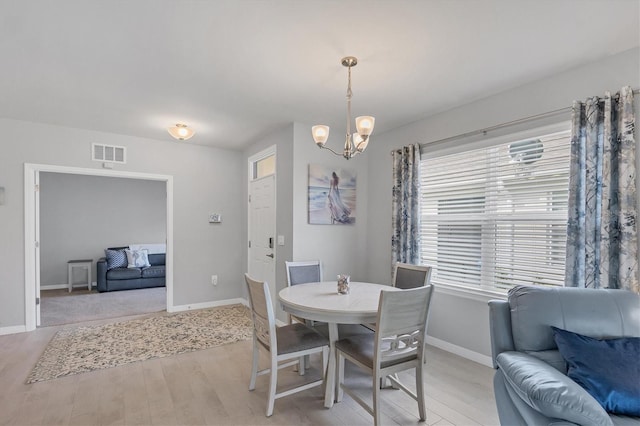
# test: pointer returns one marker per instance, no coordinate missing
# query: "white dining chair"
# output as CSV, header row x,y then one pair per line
x,y
303,272
398,344
407,276
289,342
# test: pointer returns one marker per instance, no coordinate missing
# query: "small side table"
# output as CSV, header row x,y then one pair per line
x,y
81,263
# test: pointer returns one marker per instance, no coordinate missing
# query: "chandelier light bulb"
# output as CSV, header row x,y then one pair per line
x,y
359,142
365,124
320,134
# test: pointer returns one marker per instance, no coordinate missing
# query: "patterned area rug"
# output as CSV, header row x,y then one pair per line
x,y
82,349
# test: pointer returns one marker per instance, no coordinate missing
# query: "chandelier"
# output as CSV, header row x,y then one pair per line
x,y
355,143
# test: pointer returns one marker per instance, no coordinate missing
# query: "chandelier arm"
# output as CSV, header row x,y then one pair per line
x,y
336,153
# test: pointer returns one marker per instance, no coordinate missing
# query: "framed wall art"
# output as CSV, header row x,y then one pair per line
x,y
332,195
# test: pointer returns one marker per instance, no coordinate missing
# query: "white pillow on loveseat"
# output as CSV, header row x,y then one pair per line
x,y
137,258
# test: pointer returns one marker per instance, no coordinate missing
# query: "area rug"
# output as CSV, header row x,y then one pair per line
x,y
83,349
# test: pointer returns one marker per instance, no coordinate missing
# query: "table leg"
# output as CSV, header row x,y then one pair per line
x,y
330,380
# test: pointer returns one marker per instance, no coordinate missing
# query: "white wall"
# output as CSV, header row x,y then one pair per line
x,y
457,320
205,180
82,215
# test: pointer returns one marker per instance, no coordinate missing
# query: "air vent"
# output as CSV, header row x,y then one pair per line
x,y
109,153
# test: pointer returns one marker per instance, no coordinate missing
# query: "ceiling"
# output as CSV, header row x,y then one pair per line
x,y
237,70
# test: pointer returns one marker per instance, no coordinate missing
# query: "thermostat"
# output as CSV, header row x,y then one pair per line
x,y
215,218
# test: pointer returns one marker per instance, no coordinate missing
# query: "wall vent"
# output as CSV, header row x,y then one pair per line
x,y
108,153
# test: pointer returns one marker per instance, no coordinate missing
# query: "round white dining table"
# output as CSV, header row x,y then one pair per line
x,y
321,301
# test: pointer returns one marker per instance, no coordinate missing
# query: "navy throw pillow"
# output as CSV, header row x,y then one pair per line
x,y
116,259
609,370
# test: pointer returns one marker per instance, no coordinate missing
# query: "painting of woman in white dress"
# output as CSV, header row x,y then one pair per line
x,y
332,195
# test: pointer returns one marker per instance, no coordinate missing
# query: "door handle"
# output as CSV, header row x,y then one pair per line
x,y
270,255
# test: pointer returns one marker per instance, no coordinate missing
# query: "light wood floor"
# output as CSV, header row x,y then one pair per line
x,y
211,387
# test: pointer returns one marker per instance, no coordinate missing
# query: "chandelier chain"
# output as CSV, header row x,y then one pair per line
x,y
349,95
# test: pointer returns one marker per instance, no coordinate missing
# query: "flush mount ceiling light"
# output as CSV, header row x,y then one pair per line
x,y
355,143
181,132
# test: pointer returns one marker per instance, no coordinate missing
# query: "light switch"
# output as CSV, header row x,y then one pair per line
x,y
280,240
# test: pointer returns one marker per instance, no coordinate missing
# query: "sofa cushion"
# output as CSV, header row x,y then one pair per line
x,y
596,313
123,273
550,392
608,369
116,258
157,271
157,259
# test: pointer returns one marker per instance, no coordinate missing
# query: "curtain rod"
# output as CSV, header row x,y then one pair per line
x,y
507,124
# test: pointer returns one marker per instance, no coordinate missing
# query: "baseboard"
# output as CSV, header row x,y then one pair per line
x,y
205,305
60,286
54,287
460,351
13,329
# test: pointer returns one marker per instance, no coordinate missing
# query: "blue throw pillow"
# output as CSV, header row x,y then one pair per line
x,y
116,259
609,370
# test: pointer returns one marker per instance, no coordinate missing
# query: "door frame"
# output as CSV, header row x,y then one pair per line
x,y
32,220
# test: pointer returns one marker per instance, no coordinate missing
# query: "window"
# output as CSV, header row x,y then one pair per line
x,y
496,217
264,167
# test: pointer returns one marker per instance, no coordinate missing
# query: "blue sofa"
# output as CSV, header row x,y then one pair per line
x,y
131,278
531,385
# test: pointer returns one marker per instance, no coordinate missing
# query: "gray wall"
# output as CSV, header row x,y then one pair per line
x,y
462,319
205,180
82,215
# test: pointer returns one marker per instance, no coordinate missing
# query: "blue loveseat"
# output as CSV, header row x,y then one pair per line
x,y
131,278
531,385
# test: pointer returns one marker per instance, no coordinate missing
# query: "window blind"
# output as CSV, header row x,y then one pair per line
x,y
496,217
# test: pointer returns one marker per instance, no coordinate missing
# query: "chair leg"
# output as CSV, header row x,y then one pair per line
x,y
325,364
339,376
273,381
301,365
420,391
254,365
376,399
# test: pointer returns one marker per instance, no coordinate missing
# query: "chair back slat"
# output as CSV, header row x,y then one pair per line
x,y
303,272
402,322
411,276
262,311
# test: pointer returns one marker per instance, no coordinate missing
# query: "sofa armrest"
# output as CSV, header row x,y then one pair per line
x,y
101,274
548,391
500,328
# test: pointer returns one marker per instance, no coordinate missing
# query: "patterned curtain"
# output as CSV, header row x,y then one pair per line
x,y
405,214
602,248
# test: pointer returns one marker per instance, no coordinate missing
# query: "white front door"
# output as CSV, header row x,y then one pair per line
x,y
262,227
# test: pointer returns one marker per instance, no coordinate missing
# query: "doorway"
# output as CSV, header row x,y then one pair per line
x,y
32,230
262,218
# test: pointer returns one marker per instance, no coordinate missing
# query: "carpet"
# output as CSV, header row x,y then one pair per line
x,y
83,349
61,307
